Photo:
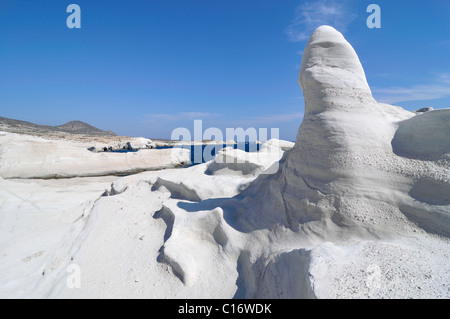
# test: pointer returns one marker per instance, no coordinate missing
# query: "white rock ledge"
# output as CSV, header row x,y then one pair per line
x,y
24,156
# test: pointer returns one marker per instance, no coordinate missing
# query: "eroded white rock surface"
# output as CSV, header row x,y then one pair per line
x,y
231,161
353,210
25,156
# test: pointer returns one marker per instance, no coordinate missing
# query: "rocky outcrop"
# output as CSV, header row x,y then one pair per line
x,y
130,144
24,156
239,162
345,162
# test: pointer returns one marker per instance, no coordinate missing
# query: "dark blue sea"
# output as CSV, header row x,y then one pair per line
x,y
204,153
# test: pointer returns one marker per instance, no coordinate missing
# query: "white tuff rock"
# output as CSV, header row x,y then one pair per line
x,y
358,208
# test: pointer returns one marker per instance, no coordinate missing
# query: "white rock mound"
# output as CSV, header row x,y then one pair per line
x,y
134,143
25,156
236,161
425,136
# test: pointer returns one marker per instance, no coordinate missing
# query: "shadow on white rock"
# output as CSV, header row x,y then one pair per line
x,y
425,136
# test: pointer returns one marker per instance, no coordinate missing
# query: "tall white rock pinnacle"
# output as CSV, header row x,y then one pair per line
x,y
342,165
331,74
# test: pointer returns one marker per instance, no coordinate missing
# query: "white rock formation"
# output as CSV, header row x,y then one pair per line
x,y
284,145
237,161
133,143
342,188
343,152
39,224
358,208
425,136
24,156
142,143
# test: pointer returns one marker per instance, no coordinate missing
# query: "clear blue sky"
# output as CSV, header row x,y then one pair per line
x,y
143,68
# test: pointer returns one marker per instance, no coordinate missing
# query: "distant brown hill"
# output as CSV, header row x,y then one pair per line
x,y
82,127
73,127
